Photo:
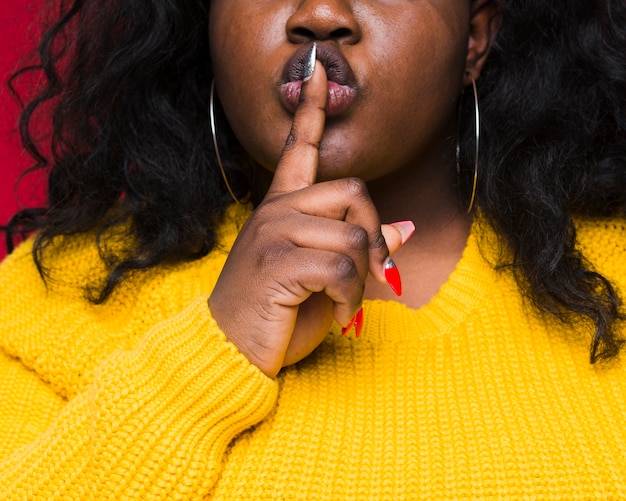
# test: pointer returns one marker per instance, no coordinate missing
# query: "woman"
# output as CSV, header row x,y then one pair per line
x,y
160,341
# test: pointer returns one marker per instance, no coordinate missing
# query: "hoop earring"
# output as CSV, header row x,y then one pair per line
x,y
476,148
217,150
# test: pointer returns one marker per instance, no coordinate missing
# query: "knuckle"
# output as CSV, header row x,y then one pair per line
x,y
270,256
345,269
297,140
357,238
291,138
311,144
270,215
356,187
378,242
266,211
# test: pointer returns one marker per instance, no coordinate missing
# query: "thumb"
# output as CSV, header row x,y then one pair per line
x,y
396,234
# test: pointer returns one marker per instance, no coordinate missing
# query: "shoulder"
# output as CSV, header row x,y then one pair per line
x,y
75,262
52,319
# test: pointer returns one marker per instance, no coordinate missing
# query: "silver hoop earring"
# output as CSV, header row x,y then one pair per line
x,y
217,150
476,148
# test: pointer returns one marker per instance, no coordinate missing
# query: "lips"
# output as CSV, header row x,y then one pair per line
x,y
342,88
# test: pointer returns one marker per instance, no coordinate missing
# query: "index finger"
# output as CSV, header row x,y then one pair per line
x,y
297,167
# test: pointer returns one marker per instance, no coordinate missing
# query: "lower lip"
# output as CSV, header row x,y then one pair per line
x,y
340,97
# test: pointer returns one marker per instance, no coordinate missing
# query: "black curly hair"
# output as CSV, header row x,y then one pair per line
x,y
553,145
128,84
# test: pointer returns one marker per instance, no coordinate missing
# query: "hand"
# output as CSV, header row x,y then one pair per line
x,y
303,256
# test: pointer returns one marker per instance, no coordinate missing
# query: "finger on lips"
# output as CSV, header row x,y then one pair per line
x,y
297,167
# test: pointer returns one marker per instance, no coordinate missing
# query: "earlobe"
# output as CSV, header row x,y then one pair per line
x,y
485,22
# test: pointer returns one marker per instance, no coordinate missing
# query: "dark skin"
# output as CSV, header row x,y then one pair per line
x,y
314,248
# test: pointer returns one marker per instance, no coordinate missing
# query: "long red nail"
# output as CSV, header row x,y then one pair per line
x,y
392,275
358,323
345,330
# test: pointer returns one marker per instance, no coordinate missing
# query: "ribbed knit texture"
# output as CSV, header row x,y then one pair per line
x,y
474,396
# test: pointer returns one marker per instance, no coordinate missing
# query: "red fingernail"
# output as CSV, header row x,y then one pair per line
x,y
358,323
406,229
392,275
345,330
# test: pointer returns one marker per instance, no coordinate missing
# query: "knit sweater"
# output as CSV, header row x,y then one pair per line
x,y
476,395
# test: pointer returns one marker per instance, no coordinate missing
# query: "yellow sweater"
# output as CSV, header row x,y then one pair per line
x,y
474,396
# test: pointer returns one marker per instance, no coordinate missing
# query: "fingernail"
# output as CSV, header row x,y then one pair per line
x,y
309,63
356,322
392,275
345,330
406,229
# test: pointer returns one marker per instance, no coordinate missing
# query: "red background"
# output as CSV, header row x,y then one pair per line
x,y
18,36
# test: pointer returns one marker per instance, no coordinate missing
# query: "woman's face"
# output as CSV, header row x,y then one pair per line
x,y
395,70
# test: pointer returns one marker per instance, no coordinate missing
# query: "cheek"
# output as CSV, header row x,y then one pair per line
x,y
414,102
423,71
246,60
261,132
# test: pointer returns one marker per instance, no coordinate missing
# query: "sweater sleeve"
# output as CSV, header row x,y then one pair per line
x,y
154,423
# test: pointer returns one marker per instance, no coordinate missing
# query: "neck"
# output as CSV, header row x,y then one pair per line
x,y
427,196
426,193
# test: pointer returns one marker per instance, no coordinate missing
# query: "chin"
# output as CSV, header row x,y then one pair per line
x,y
339,166
328,171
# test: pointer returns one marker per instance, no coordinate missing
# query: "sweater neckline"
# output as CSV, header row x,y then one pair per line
x,y
460,295
465,290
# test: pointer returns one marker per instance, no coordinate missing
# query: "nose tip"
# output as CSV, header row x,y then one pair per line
x,y
323,20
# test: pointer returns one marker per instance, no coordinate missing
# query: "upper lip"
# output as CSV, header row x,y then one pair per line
x,y
337,68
